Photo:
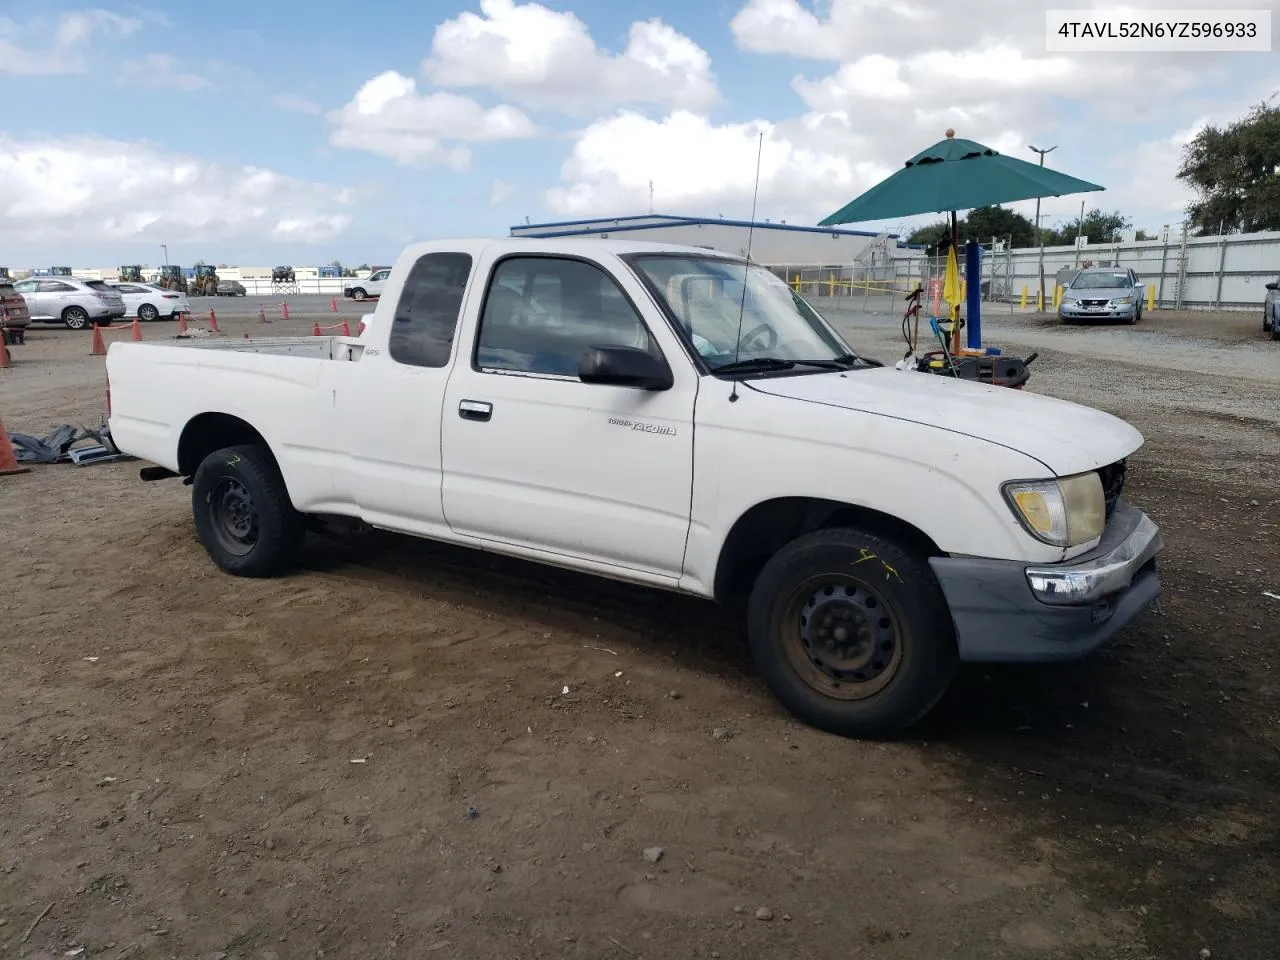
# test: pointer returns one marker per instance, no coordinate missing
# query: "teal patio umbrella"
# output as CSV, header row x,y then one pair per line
x,y
956,175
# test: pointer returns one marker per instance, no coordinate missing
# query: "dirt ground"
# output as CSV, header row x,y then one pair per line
x,y
377,757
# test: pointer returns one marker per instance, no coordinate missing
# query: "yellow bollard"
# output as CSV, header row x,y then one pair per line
x,y
831,286
1151,298
1057,296
1040,300
1023,302
795,283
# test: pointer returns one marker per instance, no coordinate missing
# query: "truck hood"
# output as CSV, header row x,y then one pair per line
x,y
1066,437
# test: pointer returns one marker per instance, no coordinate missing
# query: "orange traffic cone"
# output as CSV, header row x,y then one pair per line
x,y
361,331
284,311
315,331
182,324
137,331
8,459
333,305
99,348
346,328
4,351
262,313
213,322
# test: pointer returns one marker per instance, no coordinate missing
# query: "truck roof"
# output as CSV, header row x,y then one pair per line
x,y
569,245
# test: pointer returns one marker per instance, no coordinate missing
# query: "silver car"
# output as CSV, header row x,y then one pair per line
x,y
1271,310
1102,293
77,303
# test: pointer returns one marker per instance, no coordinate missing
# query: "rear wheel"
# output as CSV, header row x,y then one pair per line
x,y
852,633
242,512
76,318
147,313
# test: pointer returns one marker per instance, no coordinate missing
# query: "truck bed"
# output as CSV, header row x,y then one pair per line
x,y
312,348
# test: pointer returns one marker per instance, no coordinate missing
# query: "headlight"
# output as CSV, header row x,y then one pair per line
x,y
1121,301
1066,300
1065,513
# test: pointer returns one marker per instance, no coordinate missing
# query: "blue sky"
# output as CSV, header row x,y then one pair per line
x,y
307,132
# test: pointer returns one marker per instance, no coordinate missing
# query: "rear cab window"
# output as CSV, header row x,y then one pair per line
x,y
425,321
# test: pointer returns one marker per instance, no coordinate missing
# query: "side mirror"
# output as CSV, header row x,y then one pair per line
x,y
624,367
1273,286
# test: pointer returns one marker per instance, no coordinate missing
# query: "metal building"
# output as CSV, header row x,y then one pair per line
x,y
771,242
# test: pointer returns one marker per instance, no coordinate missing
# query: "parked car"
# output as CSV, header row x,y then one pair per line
x,y
148,302
1271,310
1102,293
231,288
372,287
14,315
540,399
70,300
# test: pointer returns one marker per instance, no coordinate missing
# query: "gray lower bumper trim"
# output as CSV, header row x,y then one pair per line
x,y
998,617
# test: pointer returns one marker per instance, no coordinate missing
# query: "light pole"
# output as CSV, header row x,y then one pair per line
x,y
165,248
1040,239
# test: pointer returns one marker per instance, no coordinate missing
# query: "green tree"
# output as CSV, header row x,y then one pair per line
x,y
1099,226
986,222
1235,173
981,224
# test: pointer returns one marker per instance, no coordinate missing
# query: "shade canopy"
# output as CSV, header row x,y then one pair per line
x,y
956,175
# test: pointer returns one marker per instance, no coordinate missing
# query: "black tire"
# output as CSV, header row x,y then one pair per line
x,y
76,318
892,675
243,516
147,313
358,293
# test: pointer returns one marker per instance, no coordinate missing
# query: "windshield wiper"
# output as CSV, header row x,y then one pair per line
x,y
754,365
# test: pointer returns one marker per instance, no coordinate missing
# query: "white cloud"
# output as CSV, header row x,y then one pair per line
x,y
296,104
162,71
542,58
905,71
388,116
709,168
27,48
91,189
500,192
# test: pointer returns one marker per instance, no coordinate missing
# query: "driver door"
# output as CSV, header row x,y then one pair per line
x,y
536,459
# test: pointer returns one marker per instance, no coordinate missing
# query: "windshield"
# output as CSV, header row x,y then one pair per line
x,y
1100,281
773,323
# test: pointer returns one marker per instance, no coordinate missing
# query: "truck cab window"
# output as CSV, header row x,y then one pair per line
x,y
542,312
426,316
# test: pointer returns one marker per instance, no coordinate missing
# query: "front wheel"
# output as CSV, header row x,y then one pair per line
x,y
852,633
242,512
357,294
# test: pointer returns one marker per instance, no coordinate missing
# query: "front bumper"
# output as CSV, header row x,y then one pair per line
x,y
1124,312
1007,611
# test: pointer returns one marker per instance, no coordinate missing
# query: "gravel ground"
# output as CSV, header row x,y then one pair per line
x,y
375,757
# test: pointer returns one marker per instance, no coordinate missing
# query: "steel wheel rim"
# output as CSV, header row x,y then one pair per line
x,y
235,519
843,637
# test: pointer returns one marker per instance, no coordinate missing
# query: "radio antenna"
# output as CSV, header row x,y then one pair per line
x,y
751,229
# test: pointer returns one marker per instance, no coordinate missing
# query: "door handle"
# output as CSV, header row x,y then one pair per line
x,y
475,410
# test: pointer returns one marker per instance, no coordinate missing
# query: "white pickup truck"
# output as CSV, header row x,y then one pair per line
x,y
647,413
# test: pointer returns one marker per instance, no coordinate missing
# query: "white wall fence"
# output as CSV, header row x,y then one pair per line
x,y
1219,272
326,286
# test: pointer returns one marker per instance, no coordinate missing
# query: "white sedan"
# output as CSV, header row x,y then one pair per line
x,y
149,302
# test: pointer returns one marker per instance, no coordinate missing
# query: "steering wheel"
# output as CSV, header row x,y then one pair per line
x,y
763,328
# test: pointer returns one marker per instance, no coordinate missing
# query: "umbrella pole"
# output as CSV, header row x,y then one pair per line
x,y
955,307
